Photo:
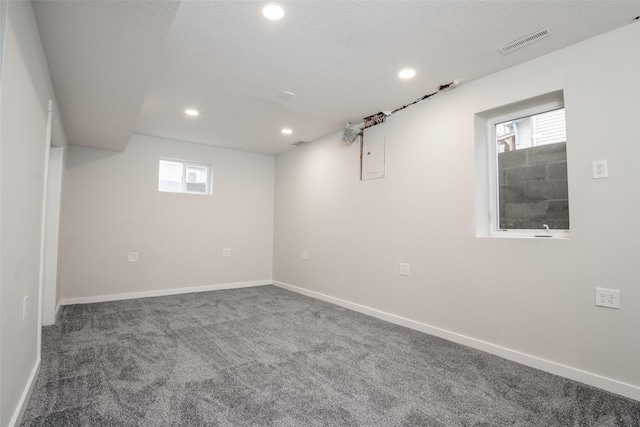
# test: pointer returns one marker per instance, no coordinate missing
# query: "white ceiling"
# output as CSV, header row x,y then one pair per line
x,y
134,66
101,56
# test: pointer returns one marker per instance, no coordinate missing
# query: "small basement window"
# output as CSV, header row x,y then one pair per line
x,y
175,176
526,165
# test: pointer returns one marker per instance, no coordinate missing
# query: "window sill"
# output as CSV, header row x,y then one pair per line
x,y
563,235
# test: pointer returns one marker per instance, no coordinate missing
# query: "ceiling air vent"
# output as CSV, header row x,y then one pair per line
x,y
517,44
299,143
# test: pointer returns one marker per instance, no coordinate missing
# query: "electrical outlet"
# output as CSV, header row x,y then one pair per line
x,y
25,307
600,169
132,256
404,269
304,256
226,252
607,298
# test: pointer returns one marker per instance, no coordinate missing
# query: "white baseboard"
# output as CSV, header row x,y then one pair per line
x,y
55,316
609,384
16,419
162,292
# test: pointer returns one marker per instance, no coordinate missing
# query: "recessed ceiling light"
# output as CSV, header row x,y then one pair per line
x,y
273,12
286,131
191,112
407,73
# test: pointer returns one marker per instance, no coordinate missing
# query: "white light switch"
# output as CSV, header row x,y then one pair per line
x,y
600,169
132,257
404,269
226,252
304,256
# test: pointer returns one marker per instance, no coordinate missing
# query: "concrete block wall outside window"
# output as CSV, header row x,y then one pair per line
x,y
533,188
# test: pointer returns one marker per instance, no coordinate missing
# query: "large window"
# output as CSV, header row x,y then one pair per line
x,y
526,157
176,176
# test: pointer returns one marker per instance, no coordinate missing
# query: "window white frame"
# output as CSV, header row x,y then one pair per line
x,y
487,185
185,166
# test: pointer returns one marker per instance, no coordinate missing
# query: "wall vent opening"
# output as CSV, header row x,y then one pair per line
x,y
517,44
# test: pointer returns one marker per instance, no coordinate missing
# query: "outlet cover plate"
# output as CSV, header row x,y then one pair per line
x,y
25,307
226,252
304,255
609,298
600,169
403,269
132,256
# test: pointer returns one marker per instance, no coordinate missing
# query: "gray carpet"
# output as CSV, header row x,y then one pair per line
x,y
265,356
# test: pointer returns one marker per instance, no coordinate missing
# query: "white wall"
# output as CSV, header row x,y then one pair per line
x,y
112,206
530,300
25,94
53,219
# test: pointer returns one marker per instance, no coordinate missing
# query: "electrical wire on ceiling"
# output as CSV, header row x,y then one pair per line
x,y
353,131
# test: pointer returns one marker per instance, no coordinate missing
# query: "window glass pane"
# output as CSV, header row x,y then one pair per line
x,y
183,177
532,172
170,176
532,131
197,178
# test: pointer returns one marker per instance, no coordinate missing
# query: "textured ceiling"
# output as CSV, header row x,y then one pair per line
x,y
101,55
132,65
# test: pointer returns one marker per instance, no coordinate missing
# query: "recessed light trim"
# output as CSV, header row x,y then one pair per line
x,y
407,73
191,112
286,131
273,12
